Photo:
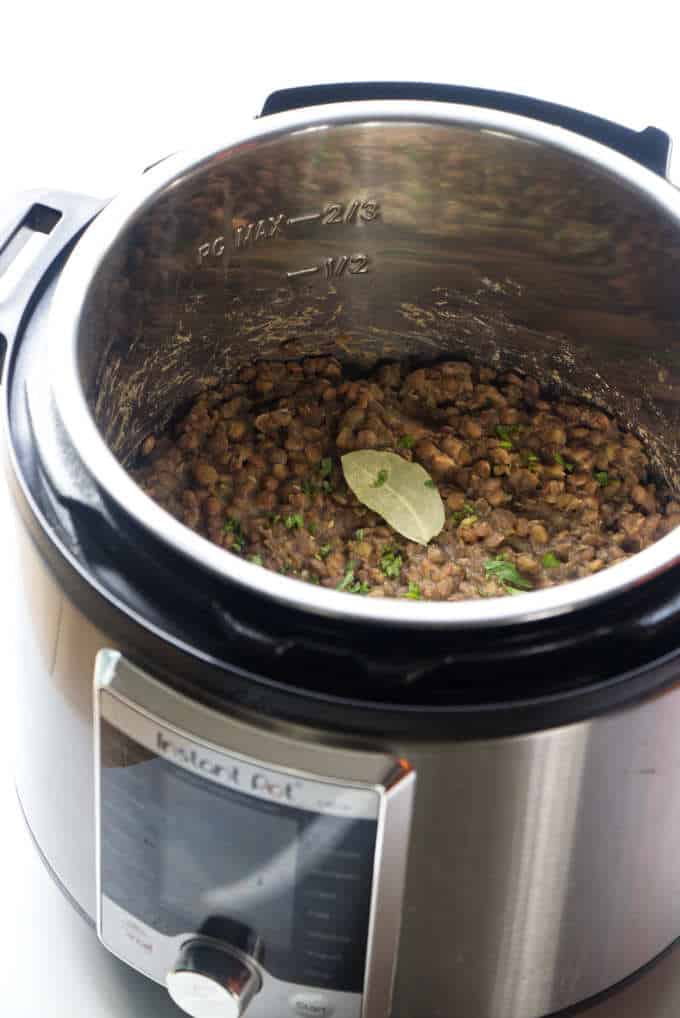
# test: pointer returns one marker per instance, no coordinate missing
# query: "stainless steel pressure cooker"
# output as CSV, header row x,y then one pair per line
x,y
278,799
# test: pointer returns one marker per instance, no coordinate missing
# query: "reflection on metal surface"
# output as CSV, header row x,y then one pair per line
x,y
551,802
212,980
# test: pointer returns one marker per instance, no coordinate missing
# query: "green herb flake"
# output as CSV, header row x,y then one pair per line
x,y
506,432
326,487
467,512
430,483
380,479
359,534
602,478
467,521
326,466
507,574
274,518
312,528
532,459
563,463
309,488
349,584
233,526
413,592
324,551
406,442
256,560
294,521
391,562
551,561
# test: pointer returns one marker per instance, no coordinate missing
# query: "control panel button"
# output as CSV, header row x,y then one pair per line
x,y
201,997
311,1005
208,981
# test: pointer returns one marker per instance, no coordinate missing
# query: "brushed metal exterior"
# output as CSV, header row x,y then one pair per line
x,y
543,868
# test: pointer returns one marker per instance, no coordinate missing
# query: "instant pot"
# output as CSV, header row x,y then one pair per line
x,y
278,799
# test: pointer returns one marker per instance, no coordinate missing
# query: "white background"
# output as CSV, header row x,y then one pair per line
x,y
91,94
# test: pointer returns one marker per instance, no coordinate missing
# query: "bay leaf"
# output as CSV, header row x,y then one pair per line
x,y
403,493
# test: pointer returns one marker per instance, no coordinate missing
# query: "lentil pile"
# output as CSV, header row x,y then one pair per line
x,y
537,489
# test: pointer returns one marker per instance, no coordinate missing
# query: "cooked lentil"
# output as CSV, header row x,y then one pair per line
x,y
538,489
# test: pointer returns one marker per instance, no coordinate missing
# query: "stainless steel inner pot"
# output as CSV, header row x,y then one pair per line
x,y
375,230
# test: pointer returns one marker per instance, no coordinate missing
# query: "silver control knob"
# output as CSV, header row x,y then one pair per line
x,y
210,981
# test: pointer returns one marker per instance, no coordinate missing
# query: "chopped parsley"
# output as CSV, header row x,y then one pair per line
x,y
506,433
349,584
391,562
380,479
563,463
469,520
309,488
507,574
294,521
312,528
467,512
406,442
233,526
359,534
413,592
532,459
551,561
256,560
326,487
429,483
324,551
602,478
274,518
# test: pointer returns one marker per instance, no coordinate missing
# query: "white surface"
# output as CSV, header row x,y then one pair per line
x,y
92,94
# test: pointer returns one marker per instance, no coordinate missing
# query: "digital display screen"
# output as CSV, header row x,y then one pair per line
x,y
179,851
227,857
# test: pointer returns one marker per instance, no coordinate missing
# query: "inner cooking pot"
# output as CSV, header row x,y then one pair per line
x,y
376,231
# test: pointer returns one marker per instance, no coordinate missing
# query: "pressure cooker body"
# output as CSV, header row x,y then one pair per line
x,y
287,800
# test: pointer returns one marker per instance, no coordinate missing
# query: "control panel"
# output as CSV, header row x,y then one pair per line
x,y
237,883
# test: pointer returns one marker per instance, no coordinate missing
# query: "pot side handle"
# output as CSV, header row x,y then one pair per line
x,y
35,227
650,147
